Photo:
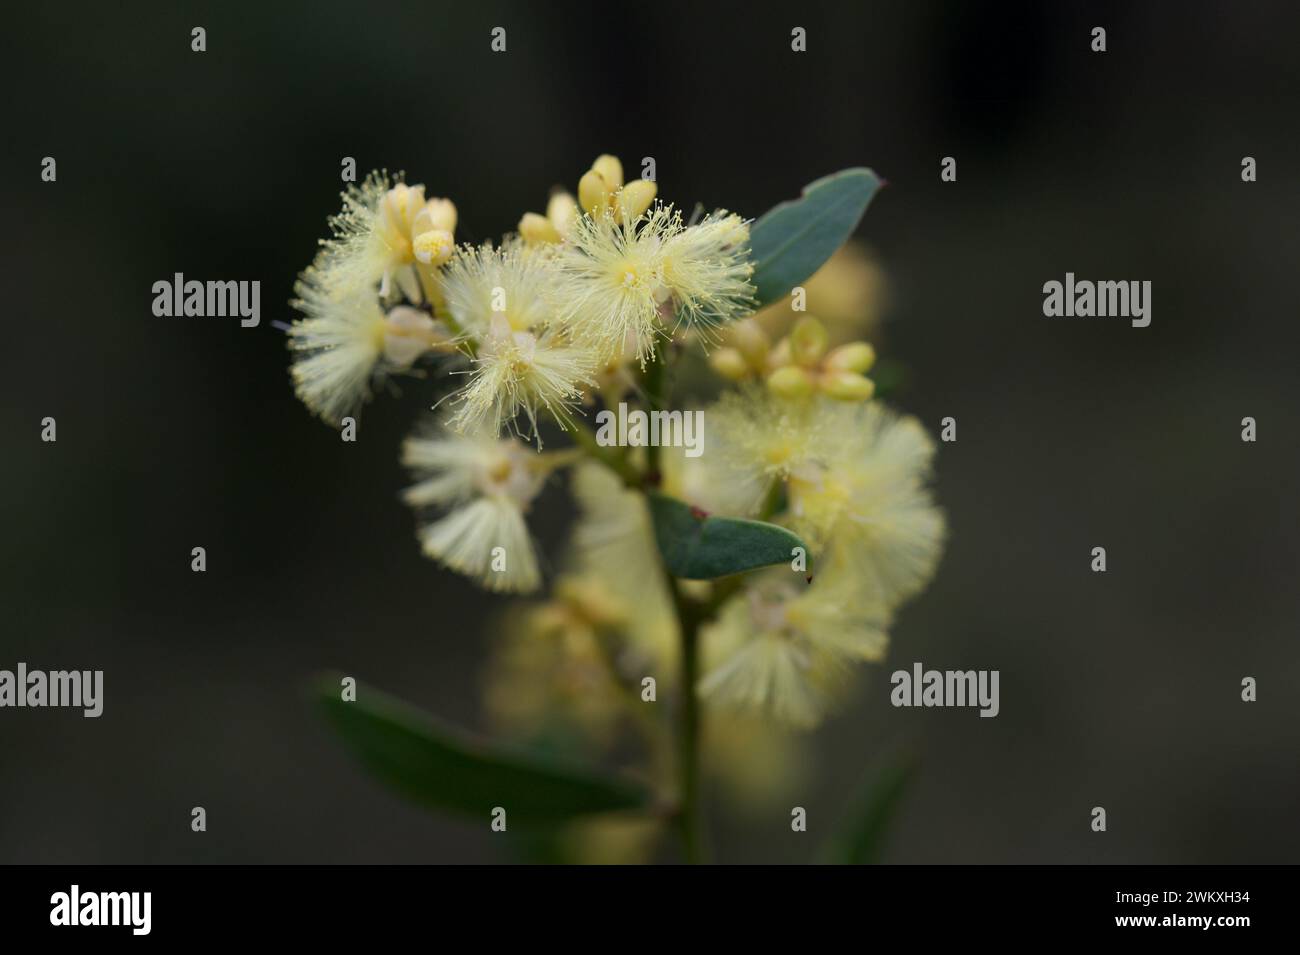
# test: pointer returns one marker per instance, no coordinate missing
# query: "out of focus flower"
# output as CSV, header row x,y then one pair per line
x,y
848,293
784,647
484,487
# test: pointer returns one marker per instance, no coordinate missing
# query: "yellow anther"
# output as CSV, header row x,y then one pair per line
x,y
434,247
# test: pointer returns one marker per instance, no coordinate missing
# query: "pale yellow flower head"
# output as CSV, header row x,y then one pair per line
x,y
707,269
337,347
611,286
484,487
524,364
547,669
760,438
869,501
784,647
613,546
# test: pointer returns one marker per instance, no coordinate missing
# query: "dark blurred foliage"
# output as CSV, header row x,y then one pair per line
x,y
1120,690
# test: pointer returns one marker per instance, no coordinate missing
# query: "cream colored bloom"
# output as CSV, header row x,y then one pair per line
x,y
759,438
611,288
707,268
523,362
485,487
855,477
785,647
337,347
868,499
346,342
627,280
613,547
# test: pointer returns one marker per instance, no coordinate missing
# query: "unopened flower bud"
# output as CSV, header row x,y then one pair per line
x,y
855,356
779,356
562,210
610,169
535,228
808,341
401,204
790,382
730,364
748,338
635,198
436,214
847,386
593,192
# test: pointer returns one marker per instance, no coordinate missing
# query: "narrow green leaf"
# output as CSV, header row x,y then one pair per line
x,y
860,839
794,238
698,547
445,769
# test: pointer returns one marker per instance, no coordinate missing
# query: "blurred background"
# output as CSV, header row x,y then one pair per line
x,y
1119,690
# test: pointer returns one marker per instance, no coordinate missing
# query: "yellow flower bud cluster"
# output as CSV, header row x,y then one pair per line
x,y
800,365
600,189
416,229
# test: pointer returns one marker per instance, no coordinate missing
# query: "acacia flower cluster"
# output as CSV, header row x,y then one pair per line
x,y
583,306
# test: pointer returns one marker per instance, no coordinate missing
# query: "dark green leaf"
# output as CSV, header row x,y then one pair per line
x,y
698,547
862,835
445,769
794,238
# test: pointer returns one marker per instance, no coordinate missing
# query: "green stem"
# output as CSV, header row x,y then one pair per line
x,y
688,755
690,815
